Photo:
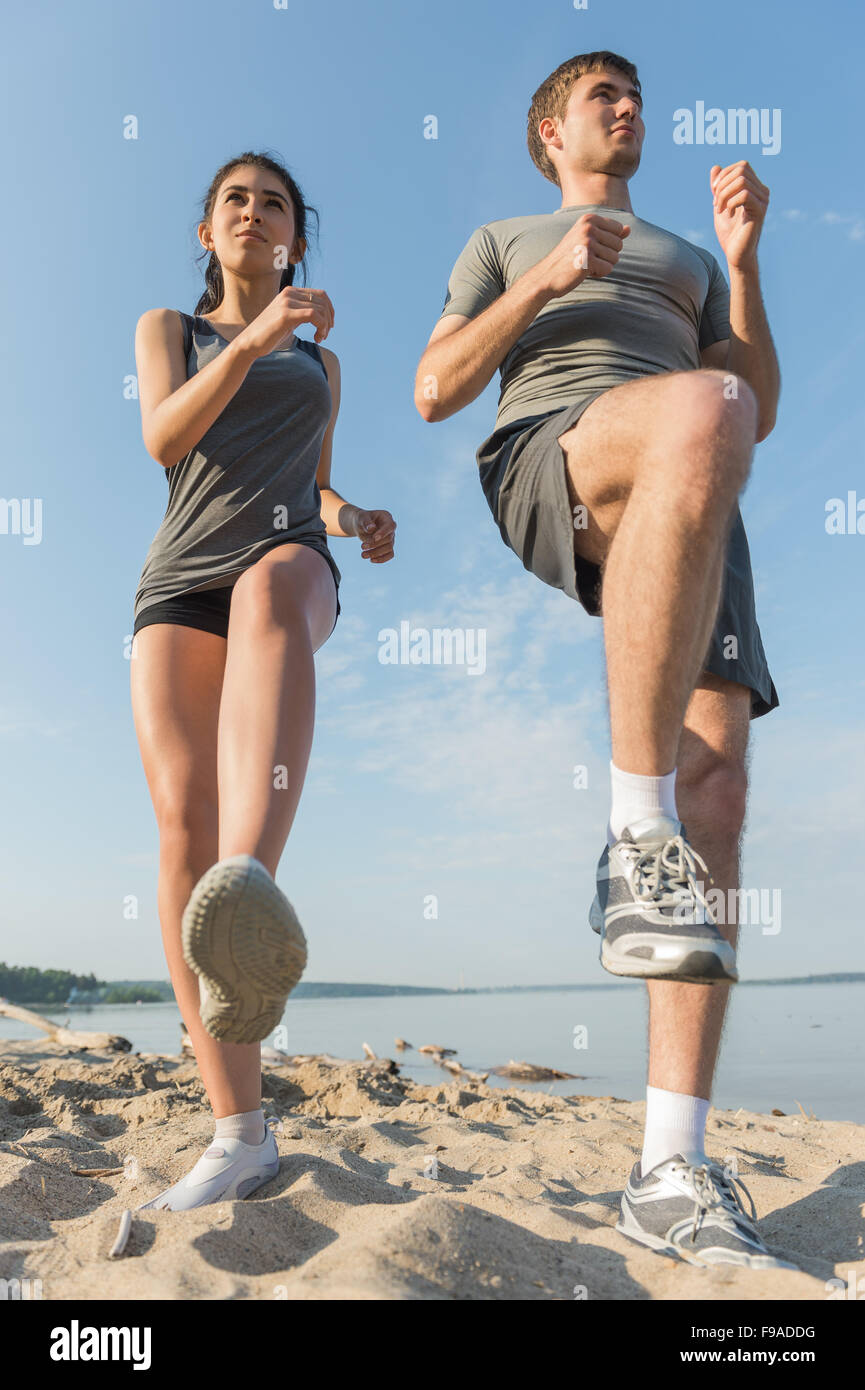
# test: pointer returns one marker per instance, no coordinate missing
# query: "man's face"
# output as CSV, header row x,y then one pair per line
x,y
602,131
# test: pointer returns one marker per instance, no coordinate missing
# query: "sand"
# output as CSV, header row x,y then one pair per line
x,y
523,1204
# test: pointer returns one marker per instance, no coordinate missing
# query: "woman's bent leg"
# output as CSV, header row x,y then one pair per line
x,y
282,609
176,684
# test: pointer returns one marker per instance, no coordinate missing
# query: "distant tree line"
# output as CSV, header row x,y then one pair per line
x,y
24,984
123,995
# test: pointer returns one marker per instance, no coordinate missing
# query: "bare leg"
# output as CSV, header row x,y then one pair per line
x,y
659,464
685,1020
282,609
176,680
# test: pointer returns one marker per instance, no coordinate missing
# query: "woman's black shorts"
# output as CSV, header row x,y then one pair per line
x,y
207,609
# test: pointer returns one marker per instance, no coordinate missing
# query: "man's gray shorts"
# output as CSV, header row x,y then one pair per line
x,y
522,472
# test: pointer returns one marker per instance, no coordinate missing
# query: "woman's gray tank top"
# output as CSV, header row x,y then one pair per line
x,y
249,483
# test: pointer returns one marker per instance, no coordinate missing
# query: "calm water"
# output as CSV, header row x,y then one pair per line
x,y
783,1044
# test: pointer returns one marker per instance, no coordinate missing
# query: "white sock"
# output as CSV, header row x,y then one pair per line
x,y
675,1124
248,1126
636,798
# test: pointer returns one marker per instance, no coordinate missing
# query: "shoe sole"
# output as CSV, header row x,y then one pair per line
x,y
698,965
241,936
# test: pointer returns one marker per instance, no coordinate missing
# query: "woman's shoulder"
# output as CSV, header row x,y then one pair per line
x,y
329,358
166,322
166,315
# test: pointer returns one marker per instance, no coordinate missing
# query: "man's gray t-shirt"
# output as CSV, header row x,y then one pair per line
x,y
662,302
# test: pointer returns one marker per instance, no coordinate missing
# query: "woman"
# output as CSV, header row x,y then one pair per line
x,y
237,592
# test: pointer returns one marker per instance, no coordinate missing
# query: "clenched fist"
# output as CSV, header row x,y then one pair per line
x,y
376,531
588,249
285,312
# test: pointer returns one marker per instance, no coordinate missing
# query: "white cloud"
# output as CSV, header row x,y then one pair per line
x,y
16,723
496,750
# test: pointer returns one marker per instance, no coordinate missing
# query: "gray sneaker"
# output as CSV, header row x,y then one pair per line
x,y
694,1211
651,912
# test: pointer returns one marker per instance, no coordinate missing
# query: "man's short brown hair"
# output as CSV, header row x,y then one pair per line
x,y
551,98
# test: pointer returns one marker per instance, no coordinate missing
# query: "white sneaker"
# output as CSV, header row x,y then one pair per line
x,y
229,1170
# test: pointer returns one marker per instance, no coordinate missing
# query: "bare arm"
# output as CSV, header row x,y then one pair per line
x,y
339,516
463,352
740,203
374,529
752,352
176,413
749,352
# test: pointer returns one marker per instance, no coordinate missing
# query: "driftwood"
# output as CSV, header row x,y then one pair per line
x,y
67,1037
527,1071
385,1066
271,1057
456,1069
122,1235
323,1057
370,1062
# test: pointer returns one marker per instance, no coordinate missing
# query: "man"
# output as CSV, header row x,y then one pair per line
x,y
634,385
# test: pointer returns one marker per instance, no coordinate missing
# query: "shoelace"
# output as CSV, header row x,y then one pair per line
x,y
668,876
714,1187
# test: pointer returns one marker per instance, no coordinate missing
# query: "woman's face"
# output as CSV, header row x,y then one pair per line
x,y
252,223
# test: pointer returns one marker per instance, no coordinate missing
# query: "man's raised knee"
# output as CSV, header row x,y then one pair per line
x,y
712,421
710,398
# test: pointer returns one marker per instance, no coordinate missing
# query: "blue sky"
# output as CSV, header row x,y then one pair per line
x,y
424,780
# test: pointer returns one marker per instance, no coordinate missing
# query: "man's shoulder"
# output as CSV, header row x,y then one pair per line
x,y
503,227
